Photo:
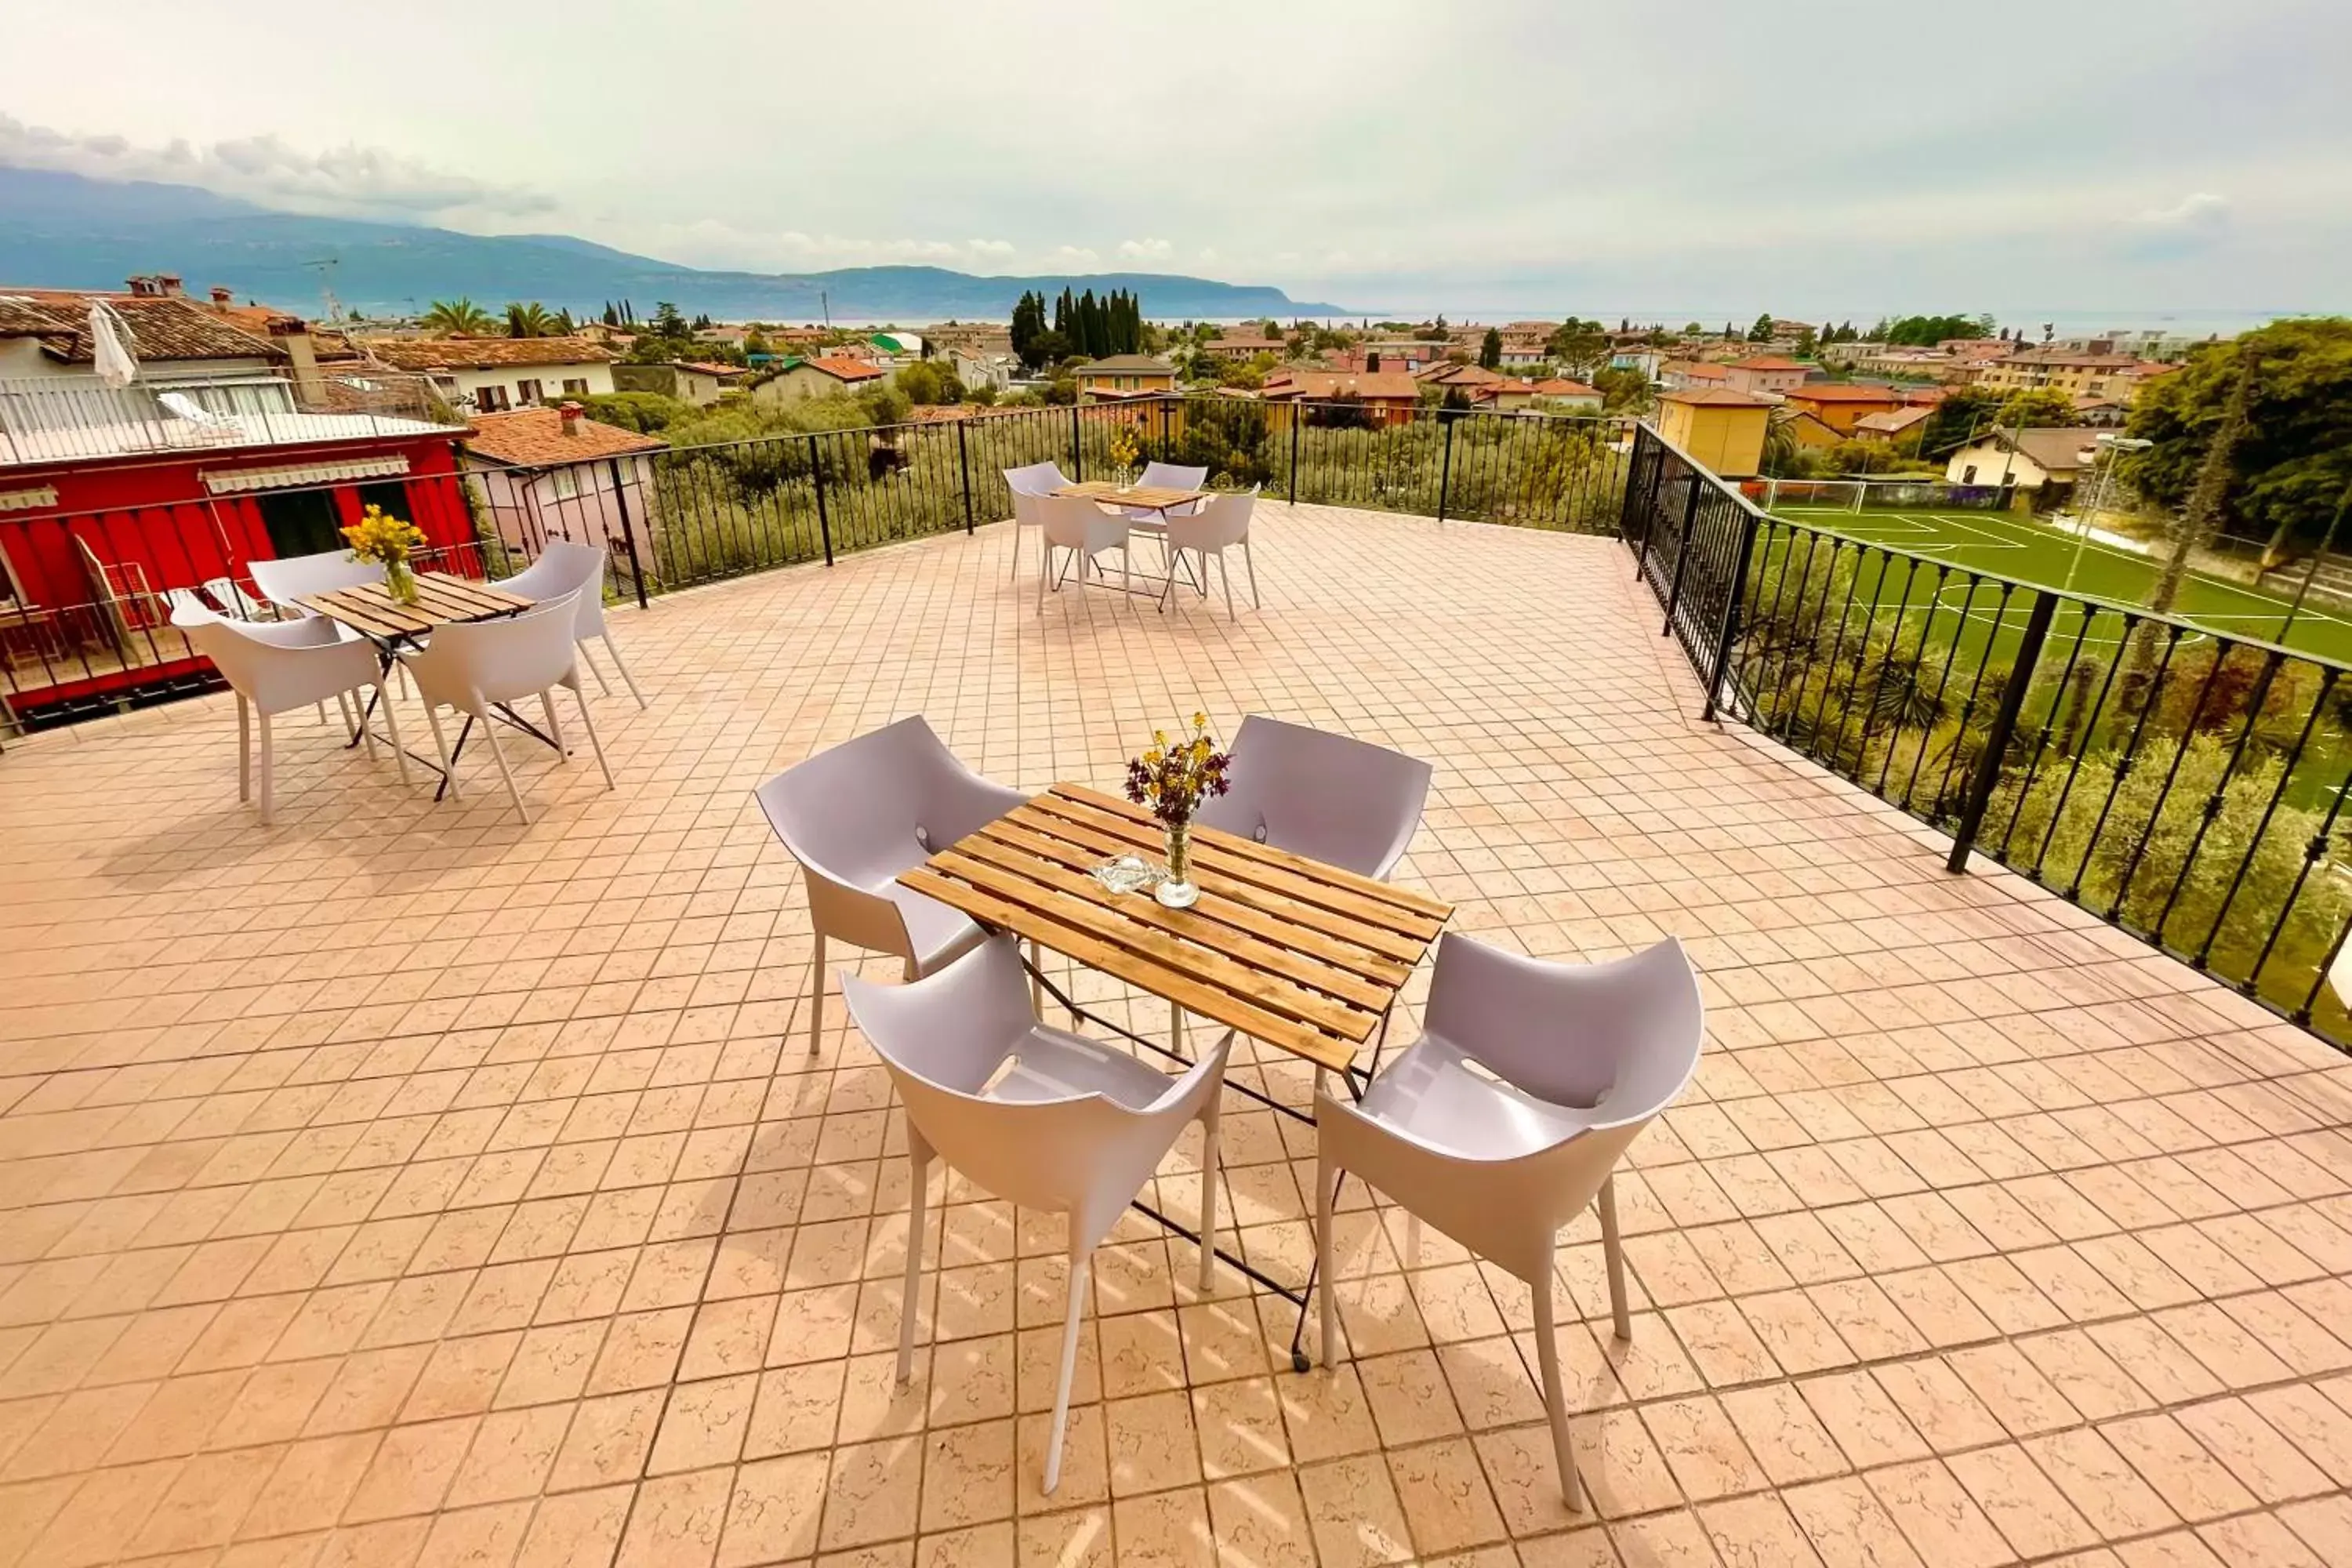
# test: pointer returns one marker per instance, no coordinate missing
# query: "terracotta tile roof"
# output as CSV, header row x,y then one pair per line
x,y
1766,362
484,354
1892,421
1841,392
1130,365
1697,371
1379,385
163,326
1720,397
1561,386
2058,450
707,367
534,438
842,369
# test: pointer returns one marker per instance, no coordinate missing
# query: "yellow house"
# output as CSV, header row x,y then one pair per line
x,y
1722,431
1126,375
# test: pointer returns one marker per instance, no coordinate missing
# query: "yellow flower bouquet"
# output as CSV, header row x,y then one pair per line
x,y
1124,450
386,540
1171,780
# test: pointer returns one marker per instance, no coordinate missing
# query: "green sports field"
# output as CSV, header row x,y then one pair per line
x,y
2004,545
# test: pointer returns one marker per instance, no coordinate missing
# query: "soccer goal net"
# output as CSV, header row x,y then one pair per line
x,y
1879,495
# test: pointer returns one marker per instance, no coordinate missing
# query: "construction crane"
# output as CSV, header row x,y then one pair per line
x,y
325,268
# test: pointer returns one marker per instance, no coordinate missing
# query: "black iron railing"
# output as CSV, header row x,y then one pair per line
x,y
720,511
2185,786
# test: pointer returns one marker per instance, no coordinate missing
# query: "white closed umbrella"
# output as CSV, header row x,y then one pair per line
x,y
110,345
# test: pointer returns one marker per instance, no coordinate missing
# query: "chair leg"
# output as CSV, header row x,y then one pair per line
x,y
1326,1186
612,652
1209,1157
595,741
1015,576
1044,577
355,716
244,749
918,1171
1613,1250
498,755
392,727
816,995
269,768
441,744
1226,572
1250,561
603,685
1555,1402
1037,986
554,725
1081,1265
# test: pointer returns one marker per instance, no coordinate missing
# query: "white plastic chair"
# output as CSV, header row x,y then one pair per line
x,y
1508,1117
1035,479
275,666
478,667
856,816
287,580
1045,1119
231,599
1078,525
1166,477
564,567
1332,798
1220,522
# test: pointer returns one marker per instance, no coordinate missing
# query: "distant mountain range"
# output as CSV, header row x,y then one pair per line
x,y
65,231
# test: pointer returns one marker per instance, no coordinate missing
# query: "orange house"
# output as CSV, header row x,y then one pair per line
x,y
1839,405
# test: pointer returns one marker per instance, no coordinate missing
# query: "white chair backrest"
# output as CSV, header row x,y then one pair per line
x,y
287,579
1074,522
564,567
1330,797
187,608
278,665
499,660
1025,512
1173,476
864,810
1222,520
1075,1155
1037,480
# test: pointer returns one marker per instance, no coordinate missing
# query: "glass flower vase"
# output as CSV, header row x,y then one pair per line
x,y
400,581
1176,889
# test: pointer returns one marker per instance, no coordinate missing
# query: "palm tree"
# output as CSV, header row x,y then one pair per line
x,y
459,318
529,320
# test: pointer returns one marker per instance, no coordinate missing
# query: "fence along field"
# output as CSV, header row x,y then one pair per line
x,y
2183,784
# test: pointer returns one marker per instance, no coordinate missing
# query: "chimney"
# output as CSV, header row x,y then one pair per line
x,y
140,284
168,283
293,334
223,296
568,413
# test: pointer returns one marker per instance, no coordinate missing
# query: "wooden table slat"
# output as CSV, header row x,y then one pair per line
x,y
1051,838
1208,1001
1372,888
441,600
1209,879
1202,925
1218,852
1156,498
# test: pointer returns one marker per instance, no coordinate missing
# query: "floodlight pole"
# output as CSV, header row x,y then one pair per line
x,y
2110,443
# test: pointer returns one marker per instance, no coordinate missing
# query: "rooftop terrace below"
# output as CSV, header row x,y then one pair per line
x,y
402,1184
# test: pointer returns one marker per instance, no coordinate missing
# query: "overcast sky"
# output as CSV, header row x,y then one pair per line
x,y
1724,156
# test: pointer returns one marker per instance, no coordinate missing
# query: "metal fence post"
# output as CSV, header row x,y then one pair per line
x,y
1681,556
1446,470
628,532
2004,725
824,524
1650,505
1294,453
1729,633
1077,448
963,465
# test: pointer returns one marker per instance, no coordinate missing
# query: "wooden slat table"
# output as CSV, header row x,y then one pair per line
x,y
1150,497
1302,956
442,600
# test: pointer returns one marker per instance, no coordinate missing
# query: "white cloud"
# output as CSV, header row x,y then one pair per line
x,y
1073,256
989,247
1146,249
350,181
2200,210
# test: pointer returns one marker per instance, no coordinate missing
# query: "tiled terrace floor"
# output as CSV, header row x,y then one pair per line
x,y
402,1185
